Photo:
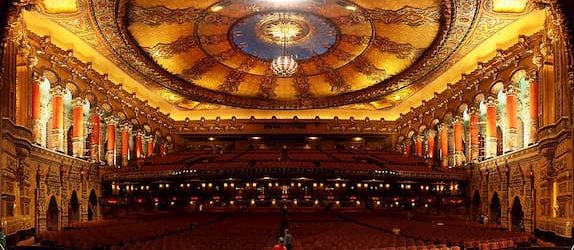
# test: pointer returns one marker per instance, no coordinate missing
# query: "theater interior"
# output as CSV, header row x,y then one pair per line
x,y
352,124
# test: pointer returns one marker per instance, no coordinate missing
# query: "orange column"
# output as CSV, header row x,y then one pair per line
x,y
78,140
57,133
474,128
458,147
126,131
111,122
431,144
95,138
37,112
162,151
408,147
490,141
443,137
533,96
419,145
139,144
512,117
150,145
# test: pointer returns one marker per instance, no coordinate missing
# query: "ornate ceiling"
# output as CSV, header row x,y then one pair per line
x,y
352,55
221,51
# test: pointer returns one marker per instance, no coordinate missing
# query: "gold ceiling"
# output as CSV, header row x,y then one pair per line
x,y
359,58
342,46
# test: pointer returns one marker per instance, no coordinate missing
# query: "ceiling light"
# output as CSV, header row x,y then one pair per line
x,y
216,8
256,138
211,138
351,7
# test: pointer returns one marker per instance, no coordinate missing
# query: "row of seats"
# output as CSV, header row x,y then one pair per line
x,y
448,231
123,231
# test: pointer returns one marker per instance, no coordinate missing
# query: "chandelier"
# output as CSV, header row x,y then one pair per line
x,y
284,65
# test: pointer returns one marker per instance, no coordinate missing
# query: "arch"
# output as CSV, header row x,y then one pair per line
x,y
51,76
478,99
517,215
476,202
92,205
74,209
495,209
72,88
107,107
518,75
53,215
497,87
422,129
461,108
90,97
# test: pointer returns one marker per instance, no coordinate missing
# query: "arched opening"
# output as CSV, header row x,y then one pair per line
x,y
476,211
495,209
92,206
74,209
517,215
52,215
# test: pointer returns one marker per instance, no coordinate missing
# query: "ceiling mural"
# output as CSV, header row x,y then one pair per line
x,y
218,54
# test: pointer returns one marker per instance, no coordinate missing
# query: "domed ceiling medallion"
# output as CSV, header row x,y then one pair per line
x,y
221,51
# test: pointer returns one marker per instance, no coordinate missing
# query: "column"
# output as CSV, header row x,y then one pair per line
x,y
57,133
419,145
443,137
139,144
408,147
512,117
78,139
162,150
126,131
458,147
431,143
95,125
533,96
111,122
451,155
490,137
149,142
37,123
474,128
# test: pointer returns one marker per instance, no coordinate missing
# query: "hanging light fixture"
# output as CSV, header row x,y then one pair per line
x,y
284,65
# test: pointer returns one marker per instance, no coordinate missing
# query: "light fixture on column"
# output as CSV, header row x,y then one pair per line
x,y
284,65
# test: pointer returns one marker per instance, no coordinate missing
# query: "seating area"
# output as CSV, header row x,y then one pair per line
x,y
120,231
444,231
259,228
242,231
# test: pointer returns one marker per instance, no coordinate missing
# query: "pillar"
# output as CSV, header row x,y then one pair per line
x,y
512,118
95,144
78,137
149,142
111,122
419,145
451,154
37,121
430,143
443,137
474,128
162,150
458,143
490,137
139,144
126,131
533,96
408,147
57,132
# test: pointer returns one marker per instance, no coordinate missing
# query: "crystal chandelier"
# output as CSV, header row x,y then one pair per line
x,y
284,65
